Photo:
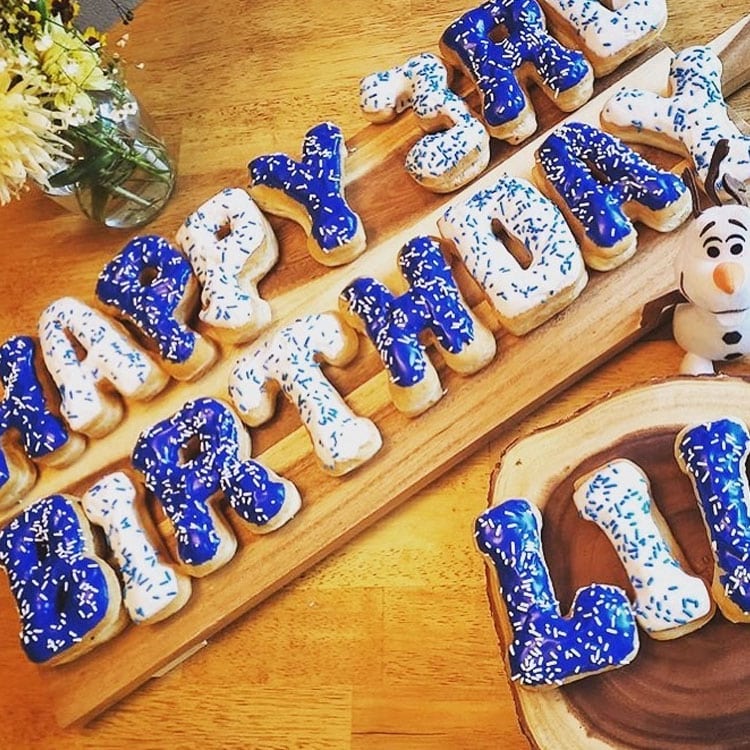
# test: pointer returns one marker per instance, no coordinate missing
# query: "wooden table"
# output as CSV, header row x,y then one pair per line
x,y
389,642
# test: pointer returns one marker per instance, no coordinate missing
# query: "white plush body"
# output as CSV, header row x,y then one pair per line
x,y
713,269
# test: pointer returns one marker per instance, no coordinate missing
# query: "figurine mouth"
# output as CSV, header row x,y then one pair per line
x,y
730,311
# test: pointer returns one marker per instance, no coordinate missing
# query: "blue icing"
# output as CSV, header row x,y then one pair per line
x,y
24,406
315,183
61,591
571,155
126,284
185,487
547,648
714,455
432,302
494,65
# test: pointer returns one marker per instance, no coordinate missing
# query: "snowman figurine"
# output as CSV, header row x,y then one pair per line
x,y
713,268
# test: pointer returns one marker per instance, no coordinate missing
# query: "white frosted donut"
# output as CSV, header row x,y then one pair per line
x,y
690,121
439,161
607,36
524,296
152,589
112,360
669,602
231,247
290,361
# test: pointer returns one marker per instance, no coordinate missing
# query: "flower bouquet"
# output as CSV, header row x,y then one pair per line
x,y
68,121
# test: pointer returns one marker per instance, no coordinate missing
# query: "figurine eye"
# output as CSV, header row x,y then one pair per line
x,y
713,251
736,249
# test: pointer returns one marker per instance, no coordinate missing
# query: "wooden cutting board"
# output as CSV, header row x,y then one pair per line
x,y
660,698
613,310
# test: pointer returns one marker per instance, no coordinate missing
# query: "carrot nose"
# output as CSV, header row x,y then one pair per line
x,y
729,277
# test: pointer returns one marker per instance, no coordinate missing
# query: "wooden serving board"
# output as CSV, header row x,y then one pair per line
x,y
613,310
661,698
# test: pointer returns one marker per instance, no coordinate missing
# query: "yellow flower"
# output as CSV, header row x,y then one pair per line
x,y
29,147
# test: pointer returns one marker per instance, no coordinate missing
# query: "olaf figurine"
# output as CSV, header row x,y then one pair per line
x,y
713,268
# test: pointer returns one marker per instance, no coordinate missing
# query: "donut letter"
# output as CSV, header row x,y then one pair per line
x,y
152,590
152,285
111,359
196,455
439,161
25,412
669,603
500,69
690,122
606,35
524,296
714,456
548,649
311,192
432,303
598,182
231,247
68,599
290,361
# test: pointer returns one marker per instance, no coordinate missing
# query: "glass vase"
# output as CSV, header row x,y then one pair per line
x,y
119,172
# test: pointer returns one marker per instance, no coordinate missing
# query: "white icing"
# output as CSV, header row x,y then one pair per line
x,y
290,359
694,118
149,586
617,498
422,84
605,32
713,271
556,265
229,268
111,357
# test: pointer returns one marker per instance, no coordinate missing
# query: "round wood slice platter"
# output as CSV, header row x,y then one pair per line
x,y
691,692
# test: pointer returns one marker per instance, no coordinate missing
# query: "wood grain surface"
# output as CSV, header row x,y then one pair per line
x,y
388,643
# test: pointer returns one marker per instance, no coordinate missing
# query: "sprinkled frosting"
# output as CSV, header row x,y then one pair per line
x,y
714,456
315,183
617,498
149,585
231,247
60,587
422,84
290,360
565,158
515,291
185,485
694,118
549,649
147,282
24,407
609,32
110,355
494,65
394,324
